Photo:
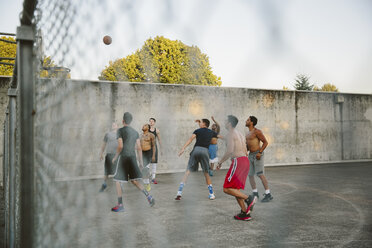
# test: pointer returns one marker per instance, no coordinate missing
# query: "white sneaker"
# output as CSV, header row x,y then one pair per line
x,y
212,197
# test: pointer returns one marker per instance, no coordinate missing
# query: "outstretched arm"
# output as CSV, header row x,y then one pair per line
x,y
218,125
188,142
153,147
229,151
119,149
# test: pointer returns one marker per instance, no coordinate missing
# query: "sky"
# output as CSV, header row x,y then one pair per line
x,y
250,43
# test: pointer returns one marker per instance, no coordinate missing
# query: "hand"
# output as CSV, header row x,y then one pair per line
x,y
218,166
181,152
114,159
213,119
258,156
101,157
197,121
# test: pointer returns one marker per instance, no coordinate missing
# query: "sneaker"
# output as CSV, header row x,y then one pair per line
x,y
118,208
251,200
243,216
147,187
154,181
178,197
267,197
210,173
151,200
256,194
103,187
212,197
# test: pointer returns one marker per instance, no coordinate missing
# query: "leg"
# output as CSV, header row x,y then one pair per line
x,y
207,178
185,176
149,198
118,189
137,184
212,166
240,197
264,181
182,184
252,182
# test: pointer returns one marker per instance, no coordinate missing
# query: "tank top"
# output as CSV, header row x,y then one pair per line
x,y
153,132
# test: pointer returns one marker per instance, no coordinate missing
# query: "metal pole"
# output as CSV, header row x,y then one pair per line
x,y
6,176
12,93
25,39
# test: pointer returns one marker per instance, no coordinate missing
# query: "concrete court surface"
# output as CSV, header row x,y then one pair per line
x,y
328,205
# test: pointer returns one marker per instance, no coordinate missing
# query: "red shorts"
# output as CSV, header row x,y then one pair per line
x,y
237,174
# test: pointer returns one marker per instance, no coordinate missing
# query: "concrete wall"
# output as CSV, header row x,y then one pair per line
x,y
73,116
4,85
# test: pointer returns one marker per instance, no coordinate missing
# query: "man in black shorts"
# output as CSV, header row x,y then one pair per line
x,y
110,144
126,163
155,131
199,154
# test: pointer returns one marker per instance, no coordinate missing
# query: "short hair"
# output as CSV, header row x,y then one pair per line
x,y
149,126
253,119
206,122
127,117
233,120
152,118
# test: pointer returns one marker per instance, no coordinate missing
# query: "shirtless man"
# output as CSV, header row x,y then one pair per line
x,y
213,147
238,172
256,157
155,131
148,154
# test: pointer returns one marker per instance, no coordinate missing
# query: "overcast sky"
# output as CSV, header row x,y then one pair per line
x,y
253,44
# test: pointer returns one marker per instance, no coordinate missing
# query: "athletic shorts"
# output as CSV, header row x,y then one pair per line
x,y
199,155
109,166
127,169
213,148
146,157
257,166
237,174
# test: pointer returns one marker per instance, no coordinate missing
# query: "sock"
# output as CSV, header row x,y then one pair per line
x,y
255,190
104,183
267,191
120,200
210,188
146,181
153,170
180,189
145,192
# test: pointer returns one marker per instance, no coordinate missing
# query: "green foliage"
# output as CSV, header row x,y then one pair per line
x,y
285,87
302,83
7,50
327,87
161,60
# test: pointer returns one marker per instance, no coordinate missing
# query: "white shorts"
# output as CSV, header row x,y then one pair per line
x,y
215,160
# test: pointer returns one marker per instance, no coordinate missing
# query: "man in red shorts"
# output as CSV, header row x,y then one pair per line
x,y
237,175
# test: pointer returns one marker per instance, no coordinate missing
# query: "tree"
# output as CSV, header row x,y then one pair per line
x,y
161,60
327,87
7,50
285,87
302,83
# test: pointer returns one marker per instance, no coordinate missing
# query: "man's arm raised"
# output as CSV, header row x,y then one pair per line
x,y
188,142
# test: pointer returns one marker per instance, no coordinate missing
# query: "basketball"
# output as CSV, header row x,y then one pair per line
x,y
107,40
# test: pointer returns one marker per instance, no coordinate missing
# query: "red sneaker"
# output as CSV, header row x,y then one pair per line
x,y
154,181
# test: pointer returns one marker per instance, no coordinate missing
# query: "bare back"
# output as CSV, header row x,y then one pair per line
x,y
237,140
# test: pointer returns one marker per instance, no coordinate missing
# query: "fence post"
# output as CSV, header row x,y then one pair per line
x,y
25,39
6,177
12,93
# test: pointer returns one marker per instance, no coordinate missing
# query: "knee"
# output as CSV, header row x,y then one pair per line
x,y
225,190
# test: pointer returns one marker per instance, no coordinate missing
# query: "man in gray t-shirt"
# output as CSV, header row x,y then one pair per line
x,y
110,144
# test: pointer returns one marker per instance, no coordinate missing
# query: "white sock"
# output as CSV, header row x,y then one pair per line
x,y
153,170
267,191
254,190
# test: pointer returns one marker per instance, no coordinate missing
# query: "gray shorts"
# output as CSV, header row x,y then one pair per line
x,y
256,167
199,155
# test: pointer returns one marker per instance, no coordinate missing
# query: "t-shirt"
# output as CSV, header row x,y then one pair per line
x,y
111,142
204,137
129,137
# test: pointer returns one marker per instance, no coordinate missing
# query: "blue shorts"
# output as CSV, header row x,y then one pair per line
x,y
213,153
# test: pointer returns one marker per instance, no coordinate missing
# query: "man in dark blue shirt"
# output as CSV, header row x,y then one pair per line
x,y
198,155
